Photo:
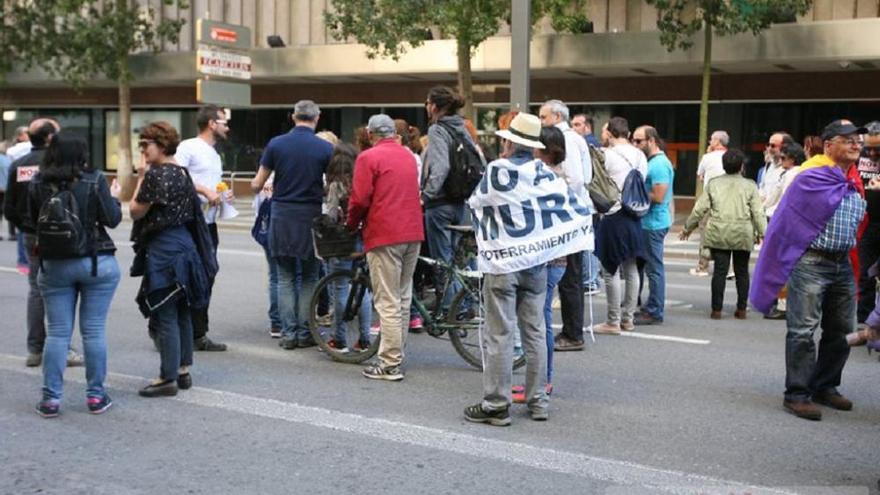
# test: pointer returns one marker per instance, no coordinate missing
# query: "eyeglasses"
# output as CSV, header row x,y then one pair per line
x,y
772,145
852,141
143,143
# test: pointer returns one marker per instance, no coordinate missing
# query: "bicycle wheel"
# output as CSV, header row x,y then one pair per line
x,y
464,320
345,338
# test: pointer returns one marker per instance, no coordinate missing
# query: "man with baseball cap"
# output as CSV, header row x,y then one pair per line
x,y
385,202
812,255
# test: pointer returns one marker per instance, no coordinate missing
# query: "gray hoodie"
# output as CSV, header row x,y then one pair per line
x,y
436,166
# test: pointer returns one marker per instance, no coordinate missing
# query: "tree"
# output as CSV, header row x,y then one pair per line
x,y
680,20
389,27
79,40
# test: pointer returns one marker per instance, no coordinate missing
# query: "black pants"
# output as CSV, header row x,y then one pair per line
x,y
869,250
721,259
571,297
200,315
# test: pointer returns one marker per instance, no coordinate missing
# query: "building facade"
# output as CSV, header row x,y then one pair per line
x,y
794,76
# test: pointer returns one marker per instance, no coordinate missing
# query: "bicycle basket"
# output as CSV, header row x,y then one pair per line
x,y
332,240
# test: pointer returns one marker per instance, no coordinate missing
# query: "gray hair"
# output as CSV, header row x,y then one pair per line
x,y
873,128
557,107
306,110
722,137
21,130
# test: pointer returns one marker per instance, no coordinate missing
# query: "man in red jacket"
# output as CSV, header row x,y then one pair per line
x,y
385,204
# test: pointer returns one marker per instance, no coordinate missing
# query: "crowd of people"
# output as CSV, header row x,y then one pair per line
x,y
554,208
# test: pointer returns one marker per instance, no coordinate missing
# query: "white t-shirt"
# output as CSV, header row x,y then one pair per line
x,y
619,161
18,150
576,167
711,166
204,166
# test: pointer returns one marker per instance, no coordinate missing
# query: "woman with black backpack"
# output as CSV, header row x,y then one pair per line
x,y
70,205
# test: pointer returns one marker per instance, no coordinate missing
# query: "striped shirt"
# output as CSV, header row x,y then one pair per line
x,y
839,234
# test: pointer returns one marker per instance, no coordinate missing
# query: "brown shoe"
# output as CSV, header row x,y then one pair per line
x,y
803,409
740,314
606,329
563,343
627,325
715,315
834,401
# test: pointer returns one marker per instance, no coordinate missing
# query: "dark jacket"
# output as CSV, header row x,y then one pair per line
x,y
93,198
15,208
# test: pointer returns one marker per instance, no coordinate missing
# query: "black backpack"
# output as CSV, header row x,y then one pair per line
x,y
466,166
61,233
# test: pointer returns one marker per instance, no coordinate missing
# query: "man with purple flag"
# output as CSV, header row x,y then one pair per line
x,y
807,244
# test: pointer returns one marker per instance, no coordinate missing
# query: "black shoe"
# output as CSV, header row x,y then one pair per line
x,y
563,343
48,408
206,344
98,405
184,381
167,388
309,342
288,343
646,319
477,414
775,314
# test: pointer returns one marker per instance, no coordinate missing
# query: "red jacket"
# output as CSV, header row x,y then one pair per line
x,y
385,196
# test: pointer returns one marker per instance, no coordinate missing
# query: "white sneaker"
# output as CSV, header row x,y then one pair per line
x,y
699,273
74,358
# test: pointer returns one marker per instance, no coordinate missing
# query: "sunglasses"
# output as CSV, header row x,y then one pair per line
x,y
638,141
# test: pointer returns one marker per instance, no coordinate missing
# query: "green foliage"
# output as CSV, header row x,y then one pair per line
x,y
78,40
681,19
389,27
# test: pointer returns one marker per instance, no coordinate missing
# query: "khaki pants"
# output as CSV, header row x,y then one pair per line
x,y
391,272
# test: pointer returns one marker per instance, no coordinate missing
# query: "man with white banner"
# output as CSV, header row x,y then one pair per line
x,y
524,216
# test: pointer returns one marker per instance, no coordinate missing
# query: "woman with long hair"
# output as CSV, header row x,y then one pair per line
x,y
78,265
175,265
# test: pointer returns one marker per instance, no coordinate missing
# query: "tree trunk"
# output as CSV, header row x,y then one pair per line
x,y
704,97
124,166
465,81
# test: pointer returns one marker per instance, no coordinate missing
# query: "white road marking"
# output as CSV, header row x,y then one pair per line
x,y
650,336
559,461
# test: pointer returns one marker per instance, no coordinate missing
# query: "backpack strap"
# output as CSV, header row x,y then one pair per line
x,y
631,166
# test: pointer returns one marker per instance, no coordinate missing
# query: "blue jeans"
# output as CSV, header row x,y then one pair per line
x,y
174,332
340,296
554,275
22,252
294,298
655,272
821,292
62,283
442,242
591,269
274,316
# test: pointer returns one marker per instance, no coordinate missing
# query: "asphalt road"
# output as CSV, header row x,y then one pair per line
x,y
692,406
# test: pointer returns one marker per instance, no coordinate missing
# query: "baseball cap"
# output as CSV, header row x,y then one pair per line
x,y
381,124
841,127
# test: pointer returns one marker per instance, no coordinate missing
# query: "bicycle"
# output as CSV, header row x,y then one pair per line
x,y
462,322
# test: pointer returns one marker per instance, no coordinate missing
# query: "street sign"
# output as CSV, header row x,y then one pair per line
x,y
230,94
223,63
223,35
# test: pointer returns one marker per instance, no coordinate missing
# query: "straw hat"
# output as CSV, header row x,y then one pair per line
x,y
525,129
